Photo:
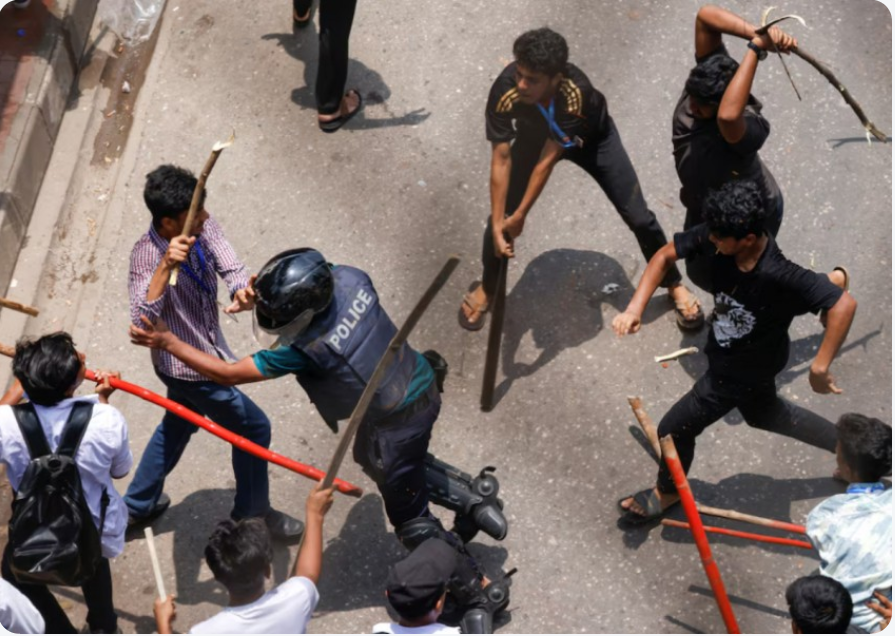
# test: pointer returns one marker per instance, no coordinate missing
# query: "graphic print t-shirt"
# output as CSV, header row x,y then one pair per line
x,y
579,109
749,340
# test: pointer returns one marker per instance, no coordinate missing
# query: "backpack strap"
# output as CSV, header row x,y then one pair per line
x,y
29,425
74,428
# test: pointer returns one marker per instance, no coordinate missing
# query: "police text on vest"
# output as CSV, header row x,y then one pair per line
x,y
346,326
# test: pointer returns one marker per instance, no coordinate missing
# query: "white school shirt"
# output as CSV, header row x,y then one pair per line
x,y
17,614
395,628
104,452
286,609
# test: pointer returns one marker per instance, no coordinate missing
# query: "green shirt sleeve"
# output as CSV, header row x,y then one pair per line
x,y
281,361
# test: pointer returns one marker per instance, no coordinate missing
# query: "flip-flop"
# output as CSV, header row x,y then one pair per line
x,y
298,22
649,502
333,125
481,308
681,308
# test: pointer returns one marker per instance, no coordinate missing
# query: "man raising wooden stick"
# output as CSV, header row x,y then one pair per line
x,y
191,311
758,292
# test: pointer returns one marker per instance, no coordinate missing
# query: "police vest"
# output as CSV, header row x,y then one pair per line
x,y
346,342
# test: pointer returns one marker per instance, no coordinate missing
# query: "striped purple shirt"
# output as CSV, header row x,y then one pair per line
x,y
190,309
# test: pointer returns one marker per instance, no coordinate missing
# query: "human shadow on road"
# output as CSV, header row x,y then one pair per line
x,y
559,299
356,562
194,519
303,47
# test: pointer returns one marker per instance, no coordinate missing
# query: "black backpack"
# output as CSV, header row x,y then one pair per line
x,y
52,536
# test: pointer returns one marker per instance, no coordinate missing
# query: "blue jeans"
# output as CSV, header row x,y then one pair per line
x,y
226,406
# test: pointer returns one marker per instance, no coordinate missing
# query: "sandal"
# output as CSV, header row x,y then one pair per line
x,y
845,287
301,22
333,125
649,502
470,301
684,308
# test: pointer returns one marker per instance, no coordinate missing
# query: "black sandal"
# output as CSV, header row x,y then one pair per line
x,y
333,125
649,502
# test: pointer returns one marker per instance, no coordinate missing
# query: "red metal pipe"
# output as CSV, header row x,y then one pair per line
x,y
669,452
238,441
742,535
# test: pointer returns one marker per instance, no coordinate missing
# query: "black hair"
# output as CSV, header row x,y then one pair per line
x,y
169,192
709,79
47,367
866,446
542,51
735,210
819,605
239,553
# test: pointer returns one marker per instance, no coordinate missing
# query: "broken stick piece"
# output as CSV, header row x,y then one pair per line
x,y
25,309
680,353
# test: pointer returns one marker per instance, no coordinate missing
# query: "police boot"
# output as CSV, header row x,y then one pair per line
x,y
473,499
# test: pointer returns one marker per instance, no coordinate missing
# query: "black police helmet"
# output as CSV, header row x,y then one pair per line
x,y
293,284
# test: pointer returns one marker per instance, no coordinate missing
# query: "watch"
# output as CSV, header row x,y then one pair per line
x,y
761,53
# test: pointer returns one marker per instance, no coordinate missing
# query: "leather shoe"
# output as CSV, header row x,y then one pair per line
x,y
282,527
160,506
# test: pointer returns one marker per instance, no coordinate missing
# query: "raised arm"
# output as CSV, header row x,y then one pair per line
x,y
712,22
310,557
629,321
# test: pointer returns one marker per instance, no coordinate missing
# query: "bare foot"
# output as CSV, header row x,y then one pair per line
x,y
481,300
665,500
681,297
350,103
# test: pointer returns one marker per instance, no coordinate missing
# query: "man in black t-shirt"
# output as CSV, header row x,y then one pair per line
x,y
757,293
542,109
718,128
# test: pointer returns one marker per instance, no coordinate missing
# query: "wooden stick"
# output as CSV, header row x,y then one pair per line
x,y
9,352
763,538
649,429
855,106
758,521
669,453
153,557
680,353
25,309
495,333
197,196
398,340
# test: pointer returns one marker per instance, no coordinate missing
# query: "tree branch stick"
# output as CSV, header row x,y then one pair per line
x,y
649,429
25,309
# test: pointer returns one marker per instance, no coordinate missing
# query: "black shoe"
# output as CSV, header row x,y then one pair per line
x,y
144,520
283,528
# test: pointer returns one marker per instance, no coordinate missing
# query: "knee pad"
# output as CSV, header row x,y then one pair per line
x,y
476,621
412,533
474,500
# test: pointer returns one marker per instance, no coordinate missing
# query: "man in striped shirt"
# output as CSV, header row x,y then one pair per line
x,y
190,309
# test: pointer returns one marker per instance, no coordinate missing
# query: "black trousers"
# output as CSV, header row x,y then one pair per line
x,y
712,397
97,595
393,454
607,162
336,17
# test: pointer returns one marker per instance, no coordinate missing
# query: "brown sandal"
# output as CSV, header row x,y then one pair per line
x,y
481,308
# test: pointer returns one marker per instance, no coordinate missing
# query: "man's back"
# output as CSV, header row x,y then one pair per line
x,y
286,609
104,453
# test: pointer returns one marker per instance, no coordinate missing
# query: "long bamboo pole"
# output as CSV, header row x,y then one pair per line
x,y
763,538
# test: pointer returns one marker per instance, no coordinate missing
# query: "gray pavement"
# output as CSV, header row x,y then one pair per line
x,y
405,185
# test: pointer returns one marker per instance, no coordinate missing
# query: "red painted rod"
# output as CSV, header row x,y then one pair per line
x,y
669,453
742,535
232,438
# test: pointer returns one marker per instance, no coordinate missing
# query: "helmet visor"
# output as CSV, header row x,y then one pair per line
x,y
281,336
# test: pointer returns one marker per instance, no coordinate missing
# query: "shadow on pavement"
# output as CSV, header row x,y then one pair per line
x,y
302,45
559,299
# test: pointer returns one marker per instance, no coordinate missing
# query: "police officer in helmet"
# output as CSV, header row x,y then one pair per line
x,y
324,324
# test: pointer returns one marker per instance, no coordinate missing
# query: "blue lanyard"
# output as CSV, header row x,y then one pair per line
x,y
202,266
551,121
865,489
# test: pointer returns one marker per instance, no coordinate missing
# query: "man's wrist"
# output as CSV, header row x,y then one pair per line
x,y
818,369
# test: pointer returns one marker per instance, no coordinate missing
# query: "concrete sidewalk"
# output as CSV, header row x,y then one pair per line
x,y
40,52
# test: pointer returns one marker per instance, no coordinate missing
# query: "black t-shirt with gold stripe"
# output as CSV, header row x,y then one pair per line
x,y
579,109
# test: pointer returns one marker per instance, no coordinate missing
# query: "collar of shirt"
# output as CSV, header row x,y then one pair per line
x,y
865,488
